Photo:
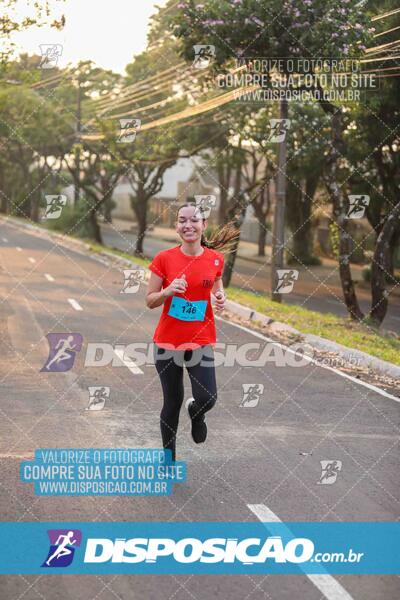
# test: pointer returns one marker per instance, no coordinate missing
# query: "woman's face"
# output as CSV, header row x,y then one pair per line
x,y
190,224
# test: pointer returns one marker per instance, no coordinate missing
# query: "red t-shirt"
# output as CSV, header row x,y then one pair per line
x,y
201,272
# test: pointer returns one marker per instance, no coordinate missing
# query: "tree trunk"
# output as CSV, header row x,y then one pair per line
x,y
3,195
261,204
302,246
139,205
236,215
222,205
109,204
108,184
231,258
393,245
299,218
95,225
35,204
223,193
262,238
339,209
142,226
380,261
4,202
229,264
278,231
34,209
93,205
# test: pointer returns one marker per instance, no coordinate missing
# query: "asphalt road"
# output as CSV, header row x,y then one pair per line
x,y
314,291
267,455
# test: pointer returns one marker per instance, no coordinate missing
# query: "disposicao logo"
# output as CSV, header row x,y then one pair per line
x,y
62,547
191,550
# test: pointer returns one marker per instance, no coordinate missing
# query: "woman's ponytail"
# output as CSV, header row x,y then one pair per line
x,y
223,238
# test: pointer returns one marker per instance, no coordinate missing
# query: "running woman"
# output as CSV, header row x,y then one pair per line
x,y
182,279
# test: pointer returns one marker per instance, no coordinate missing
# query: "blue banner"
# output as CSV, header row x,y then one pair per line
x,y
199,548
103,472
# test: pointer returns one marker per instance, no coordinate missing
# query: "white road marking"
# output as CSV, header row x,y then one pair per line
x,y
5,240
32,260
19,249
75,304
314,361
49,277
132,366
327,585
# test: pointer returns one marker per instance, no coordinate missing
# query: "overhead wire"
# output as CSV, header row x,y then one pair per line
x,y
220,100
52,80
387,31
384,15
382,47
136,97
137,85
144,95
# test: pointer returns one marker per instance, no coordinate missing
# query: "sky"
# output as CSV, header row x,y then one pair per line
x,y
109,32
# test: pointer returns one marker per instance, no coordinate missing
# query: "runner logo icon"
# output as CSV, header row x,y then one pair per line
x,y
330,470
63,348
62,547
286,280
357,206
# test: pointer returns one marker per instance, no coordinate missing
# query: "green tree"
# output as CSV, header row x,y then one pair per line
x,y
308,142
308,29
148,96
38,13
30,146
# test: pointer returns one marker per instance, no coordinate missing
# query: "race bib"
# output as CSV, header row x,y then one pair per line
x,y
186,310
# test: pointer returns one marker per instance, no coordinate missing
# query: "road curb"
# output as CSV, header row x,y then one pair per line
x,y
350,355
62,236
354,356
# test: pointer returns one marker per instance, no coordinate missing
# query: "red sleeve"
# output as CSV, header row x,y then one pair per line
x,y
157,265
221,266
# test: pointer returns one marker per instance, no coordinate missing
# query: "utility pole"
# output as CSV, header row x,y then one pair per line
x,y
78,141
278,233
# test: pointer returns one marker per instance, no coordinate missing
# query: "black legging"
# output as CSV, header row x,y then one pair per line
x,y
169,365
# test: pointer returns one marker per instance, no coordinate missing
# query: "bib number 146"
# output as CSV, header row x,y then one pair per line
x,y
189,308
186,310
